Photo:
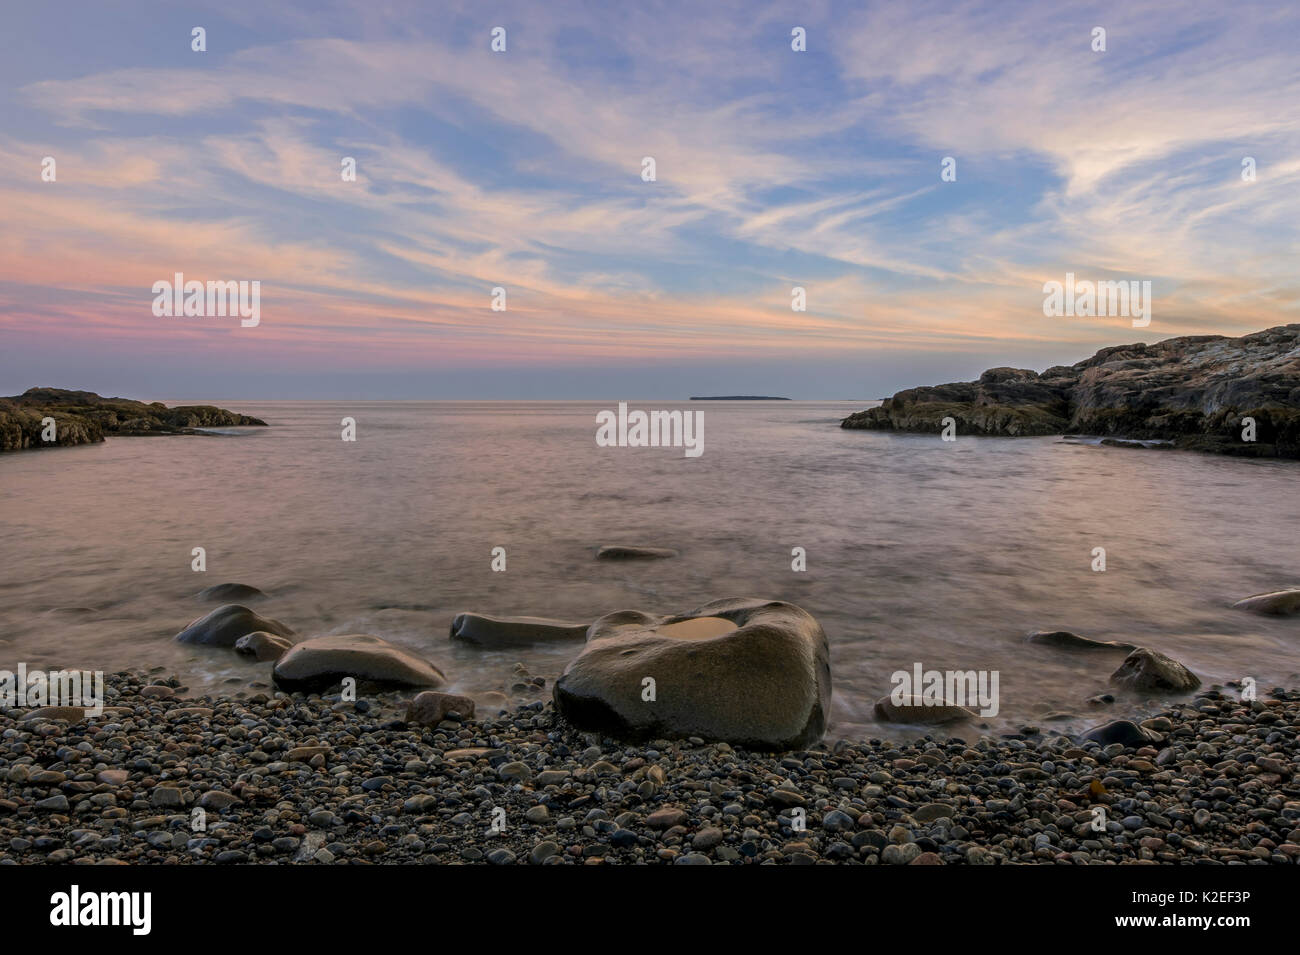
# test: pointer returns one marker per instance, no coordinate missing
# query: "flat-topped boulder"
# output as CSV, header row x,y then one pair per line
x,y
1194,391
224,626
323,662
484,631
743,671
1278,603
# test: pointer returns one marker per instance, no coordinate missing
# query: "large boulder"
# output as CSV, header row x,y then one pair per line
x,y
1279,603
748,672
485,631
323,662
1146,671
224,626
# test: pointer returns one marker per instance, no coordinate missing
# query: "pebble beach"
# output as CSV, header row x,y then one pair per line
x,y
293,778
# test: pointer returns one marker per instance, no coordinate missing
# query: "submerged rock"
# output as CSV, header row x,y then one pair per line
x,y
263,646
622,552
1280,603
225,625
488,631
228,593
1146,670
916,710
324,662
1066,640
747,672
1194,391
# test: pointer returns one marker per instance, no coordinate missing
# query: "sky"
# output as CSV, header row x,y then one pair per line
x,y
522,169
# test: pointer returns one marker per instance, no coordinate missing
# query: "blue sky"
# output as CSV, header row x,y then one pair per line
x,y
775,168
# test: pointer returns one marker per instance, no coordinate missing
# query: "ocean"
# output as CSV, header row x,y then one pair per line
x,y
918,551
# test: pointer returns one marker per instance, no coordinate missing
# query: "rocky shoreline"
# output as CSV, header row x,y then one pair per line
x,y
293,778
83,417
1237,396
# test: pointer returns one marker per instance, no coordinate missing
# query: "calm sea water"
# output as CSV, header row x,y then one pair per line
x,y
917,550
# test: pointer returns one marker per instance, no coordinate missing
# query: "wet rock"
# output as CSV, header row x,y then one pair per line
x,y
431,707
1065,640
230,593
1147,671
323,662
1124,732
916,710
1280,603
226,624
485,631
263,646
623,552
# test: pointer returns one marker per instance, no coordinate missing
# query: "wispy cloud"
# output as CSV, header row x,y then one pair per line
x,y
774,169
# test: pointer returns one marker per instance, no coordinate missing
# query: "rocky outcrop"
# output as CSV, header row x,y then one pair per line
x,y
1193,391
1148,671
83,417
323,662
1279,603
224,626
747,672
484,631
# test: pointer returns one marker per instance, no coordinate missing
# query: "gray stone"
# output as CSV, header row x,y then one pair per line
x,y
743,671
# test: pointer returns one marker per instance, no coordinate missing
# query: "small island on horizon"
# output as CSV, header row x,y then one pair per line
x,y
737,398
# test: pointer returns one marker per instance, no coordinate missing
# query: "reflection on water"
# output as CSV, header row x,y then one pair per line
x,y
917,550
